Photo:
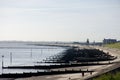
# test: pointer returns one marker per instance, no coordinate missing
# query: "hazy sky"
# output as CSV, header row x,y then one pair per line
x,y
59,20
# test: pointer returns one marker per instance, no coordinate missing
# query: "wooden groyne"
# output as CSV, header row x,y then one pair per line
x,y
80,55
61,65
46,72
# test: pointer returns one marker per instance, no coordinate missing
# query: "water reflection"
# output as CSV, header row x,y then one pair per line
x,y
25,55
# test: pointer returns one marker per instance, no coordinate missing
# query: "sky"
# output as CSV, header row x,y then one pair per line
x,y
59,20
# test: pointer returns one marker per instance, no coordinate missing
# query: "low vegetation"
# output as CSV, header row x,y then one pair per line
x,y
115,45
109,76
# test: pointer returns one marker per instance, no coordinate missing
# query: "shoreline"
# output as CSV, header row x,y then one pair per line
x,y
75,76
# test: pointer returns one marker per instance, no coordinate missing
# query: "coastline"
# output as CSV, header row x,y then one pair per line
x,y
77,76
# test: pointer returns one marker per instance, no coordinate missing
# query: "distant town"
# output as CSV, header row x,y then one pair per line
x,y
105,41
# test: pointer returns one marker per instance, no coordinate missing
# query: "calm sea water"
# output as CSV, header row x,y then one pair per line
x,y
23,54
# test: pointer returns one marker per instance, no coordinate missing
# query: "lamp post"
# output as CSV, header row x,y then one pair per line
x,y
31,53
2,63
11,58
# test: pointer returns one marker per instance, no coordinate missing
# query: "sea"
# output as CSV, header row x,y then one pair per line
x,y
25,54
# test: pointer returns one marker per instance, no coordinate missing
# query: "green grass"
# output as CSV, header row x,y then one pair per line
x,y
109,76
114,45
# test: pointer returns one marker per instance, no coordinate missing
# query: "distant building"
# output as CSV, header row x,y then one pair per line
x,y
87,42
118,41
108,41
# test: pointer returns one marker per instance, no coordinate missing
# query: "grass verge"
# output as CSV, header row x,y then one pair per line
x,y
115,45
109,76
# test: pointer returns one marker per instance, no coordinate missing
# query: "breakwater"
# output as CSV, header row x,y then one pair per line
x,y
45,72
77,55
